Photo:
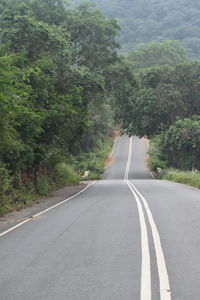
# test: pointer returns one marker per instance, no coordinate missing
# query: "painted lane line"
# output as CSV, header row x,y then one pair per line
x,y
129,159
145,285
165,292
114,146
151,173
145,288
15,227
44,211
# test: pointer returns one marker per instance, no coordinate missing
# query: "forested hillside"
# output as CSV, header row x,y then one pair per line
x,y
155,20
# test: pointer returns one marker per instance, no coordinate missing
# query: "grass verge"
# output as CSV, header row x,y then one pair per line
x,y
191,178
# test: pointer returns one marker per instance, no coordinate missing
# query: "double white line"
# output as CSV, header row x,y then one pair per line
x,y
145,291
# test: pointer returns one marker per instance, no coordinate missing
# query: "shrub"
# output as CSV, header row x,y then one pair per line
x,y
156,158
5,179
42,186
66,174
181,144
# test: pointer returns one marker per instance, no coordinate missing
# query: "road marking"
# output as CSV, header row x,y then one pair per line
x,y
151,173
129,159
145,288
114,146
165,293
44,211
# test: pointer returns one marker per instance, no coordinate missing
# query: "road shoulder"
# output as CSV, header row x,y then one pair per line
x,y
39,205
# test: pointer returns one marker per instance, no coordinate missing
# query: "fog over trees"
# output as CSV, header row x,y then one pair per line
x,y
143,21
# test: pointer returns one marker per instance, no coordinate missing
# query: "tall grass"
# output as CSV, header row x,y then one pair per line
x,y
186,177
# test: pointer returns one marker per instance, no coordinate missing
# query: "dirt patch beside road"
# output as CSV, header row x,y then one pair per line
x,y
39,205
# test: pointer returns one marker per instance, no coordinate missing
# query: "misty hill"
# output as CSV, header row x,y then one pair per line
x,y
155,20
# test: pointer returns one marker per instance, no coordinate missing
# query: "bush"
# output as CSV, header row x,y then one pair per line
x,y
42,186
156,163
181,144
66,174
94,161
5,179
156,158
54,158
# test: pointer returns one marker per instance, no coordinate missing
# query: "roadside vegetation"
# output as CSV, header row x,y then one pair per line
x,y
165,107
63,88
55,98
94,161
186,177
174,155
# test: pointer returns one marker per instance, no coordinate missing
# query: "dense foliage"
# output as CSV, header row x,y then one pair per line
x,y
54,91
181,144
157,54
165,94
143,21
163,101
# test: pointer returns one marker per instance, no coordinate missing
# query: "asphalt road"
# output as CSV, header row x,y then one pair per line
x,y
126,237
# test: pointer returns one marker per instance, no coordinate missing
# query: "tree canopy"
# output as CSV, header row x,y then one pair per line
x,y
143,21
157,54
55,100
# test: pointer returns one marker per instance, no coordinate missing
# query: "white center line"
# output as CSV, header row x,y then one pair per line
x,y
145,289
129,159
114,146
165,293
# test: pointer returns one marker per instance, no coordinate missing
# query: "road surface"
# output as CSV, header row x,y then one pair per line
x,y
126,237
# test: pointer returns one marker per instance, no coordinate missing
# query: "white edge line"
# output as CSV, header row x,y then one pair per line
x,y
114,146
165,292
129,159
44,211
151,173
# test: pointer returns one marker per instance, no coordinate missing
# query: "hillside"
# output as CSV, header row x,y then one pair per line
x,y
155,20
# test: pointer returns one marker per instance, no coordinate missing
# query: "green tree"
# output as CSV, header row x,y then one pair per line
x,y
121,86
165,94
143,21
181,144
93,35
157,54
